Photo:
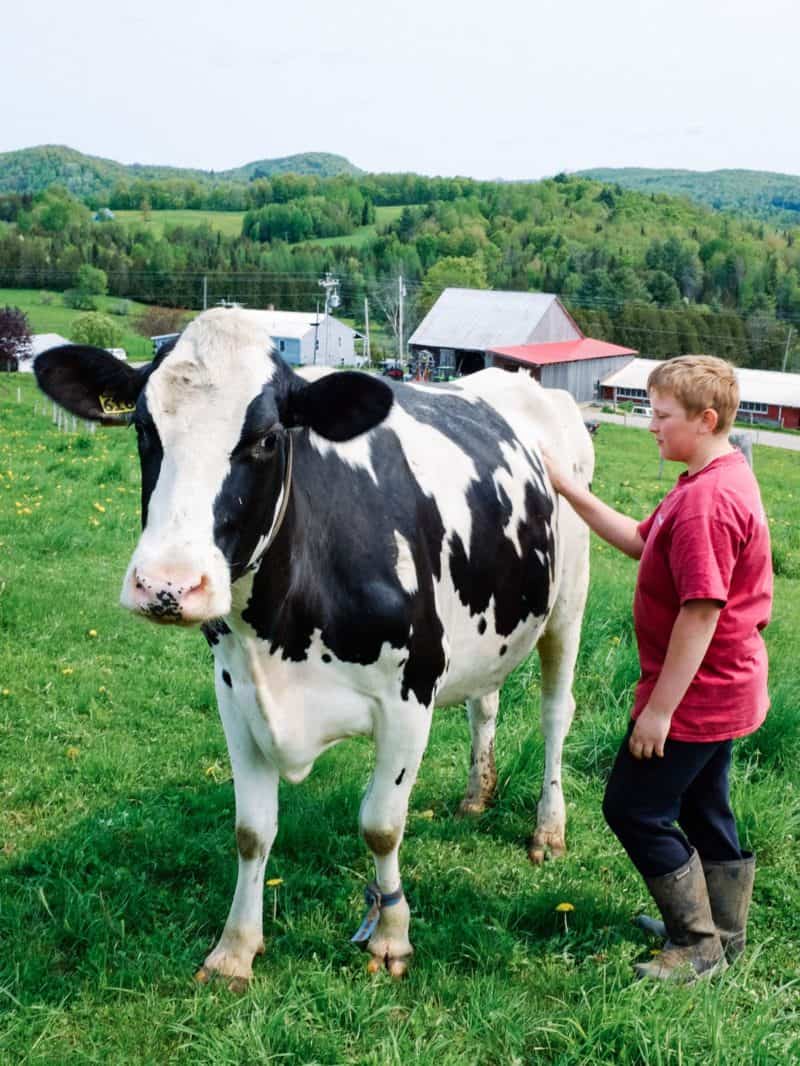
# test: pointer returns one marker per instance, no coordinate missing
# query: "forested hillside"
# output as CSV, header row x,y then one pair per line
x,y
775,197
659,274
32,170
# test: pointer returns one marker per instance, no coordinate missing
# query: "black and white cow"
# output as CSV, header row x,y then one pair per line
x,y
357,553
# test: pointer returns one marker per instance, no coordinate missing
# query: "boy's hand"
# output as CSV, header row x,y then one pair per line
x,y
649,733
558,478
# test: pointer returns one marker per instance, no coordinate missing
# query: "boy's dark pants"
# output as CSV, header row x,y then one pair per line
x,y
688,785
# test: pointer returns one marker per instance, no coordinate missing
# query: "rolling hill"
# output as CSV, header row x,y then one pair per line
x,y
773,197
30,170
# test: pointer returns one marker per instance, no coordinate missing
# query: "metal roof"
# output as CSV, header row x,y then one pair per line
x,y
291,323
755,386
477,319
562,351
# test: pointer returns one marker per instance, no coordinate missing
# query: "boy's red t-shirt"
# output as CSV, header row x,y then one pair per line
x,y
708,539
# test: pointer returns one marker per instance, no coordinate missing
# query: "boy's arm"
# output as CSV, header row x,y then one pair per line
x,y
688,643
617,529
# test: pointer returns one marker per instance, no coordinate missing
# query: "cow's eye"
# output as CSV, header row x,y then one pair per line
x,y
266,446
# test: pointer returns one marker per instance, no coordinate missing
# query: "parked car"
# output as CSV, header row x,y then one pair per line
x,y
391,368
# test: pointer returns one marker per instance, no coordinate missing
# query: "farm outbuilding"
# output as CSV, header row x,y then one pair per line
x,y
469,329
768,397
577,366
302,338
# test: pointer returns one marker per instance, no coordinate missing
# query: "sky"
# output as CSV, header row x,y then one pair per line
x,y
509,89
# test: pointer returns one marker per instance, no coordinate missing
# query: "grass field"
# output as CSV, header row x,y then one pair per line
x,y
117,852
47,314
230,223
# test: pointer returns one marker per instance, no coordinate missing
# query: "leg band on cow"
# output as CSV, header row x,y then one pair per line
x,y
375,901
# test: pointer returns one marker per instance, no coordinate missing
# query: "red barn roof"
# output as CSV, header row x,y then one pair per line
x,y
562,351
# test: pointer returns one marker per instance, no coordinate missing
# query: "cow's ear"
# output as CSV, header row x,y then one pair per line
x,y
339,406
89,382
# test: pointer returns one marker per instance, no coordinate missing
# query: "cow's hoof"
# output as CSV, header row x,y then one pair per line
x,y
396,967
545,845
237,985
470,808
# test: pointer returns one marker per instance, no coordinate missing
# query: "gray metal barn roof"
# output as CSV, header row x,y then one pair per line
x,y
477,319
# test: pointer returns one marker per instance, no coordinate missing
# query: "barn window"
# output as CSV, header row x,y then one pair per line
x,y
631,394
281,346
754,408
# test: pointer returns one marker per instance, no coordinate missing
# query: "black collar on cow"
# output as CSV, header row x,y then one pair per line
x,y
286,490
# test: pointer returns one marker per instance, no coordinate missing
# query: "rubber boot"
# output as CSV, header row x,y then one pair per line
x,y
693,947
730,889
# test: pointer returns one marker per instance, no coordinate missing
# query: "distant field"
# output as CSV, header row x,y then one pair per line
x,y
47,314
228,223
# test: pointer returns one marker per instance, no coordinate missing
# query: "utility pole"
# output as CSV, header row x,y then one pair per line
x,y
401,291
331,286
786,349
367,348
316,333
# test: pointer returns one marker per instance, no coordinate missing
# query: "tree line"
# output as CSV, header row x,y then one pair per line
x,y
655,273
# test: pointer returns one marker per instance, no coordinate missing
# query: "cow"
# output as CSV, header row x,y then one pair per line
x,y
357,552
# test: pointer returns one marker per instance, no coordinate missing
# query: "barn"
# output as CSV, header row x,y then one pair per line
x,y
768,397
469,329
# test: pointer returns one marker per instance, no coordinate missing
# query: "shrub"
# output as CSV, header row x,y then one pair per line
x,y
97,329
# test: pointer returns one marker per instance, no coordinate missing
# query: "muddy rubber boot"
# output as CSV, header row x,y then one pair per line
x,y
730,889
693,947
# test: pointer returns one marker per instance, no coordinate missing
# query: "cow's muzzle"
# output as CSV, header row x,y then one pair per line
x,y
172,599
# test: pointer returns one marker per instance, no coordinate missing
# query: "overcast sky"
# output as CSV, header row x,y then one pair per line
x,y
500,89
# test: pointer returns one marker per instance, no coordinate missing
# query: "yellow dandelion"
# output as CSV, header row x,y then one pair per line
x,y
6,692
565,908
67,671
72,753
274,883
102,688
91,633
99,507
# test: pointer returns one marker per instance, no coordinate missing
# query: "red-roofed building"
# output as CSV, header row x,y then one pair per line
x,y
577,365
469,329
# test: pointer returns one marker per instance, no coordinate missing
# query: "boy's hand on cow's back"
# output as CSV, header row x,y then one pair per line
x,y
559,479
650,731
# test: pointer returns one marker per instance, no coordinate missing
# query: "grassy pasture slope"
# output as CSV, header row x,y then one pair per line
x,y
117,853
53,317
229,223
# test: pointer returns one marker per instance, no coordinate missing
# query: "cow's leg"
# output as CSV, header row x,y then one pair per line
x,y
256,788
482,771
558,652
400,740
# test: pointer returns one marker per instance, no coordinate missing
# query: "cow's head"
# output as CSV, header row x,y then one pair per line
x,y
212,417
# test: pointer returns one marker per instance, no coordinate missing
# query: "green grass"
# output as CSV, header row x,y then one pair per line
x,y
228,223
117,852
47,314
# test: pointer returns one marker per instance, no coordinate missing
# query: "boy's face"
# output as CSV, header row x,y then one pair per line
x,y
678,434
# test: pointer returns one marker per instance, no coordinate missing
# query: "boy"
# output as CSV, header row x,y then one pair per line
x,y
703,595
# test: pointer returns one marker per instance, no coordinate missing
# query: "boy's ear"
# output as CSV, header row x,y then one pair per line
x,y
90,382
709,419
338,406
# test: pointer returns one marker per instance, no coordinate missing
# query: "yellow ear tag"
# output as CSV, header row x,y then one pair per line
x,y
112,407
